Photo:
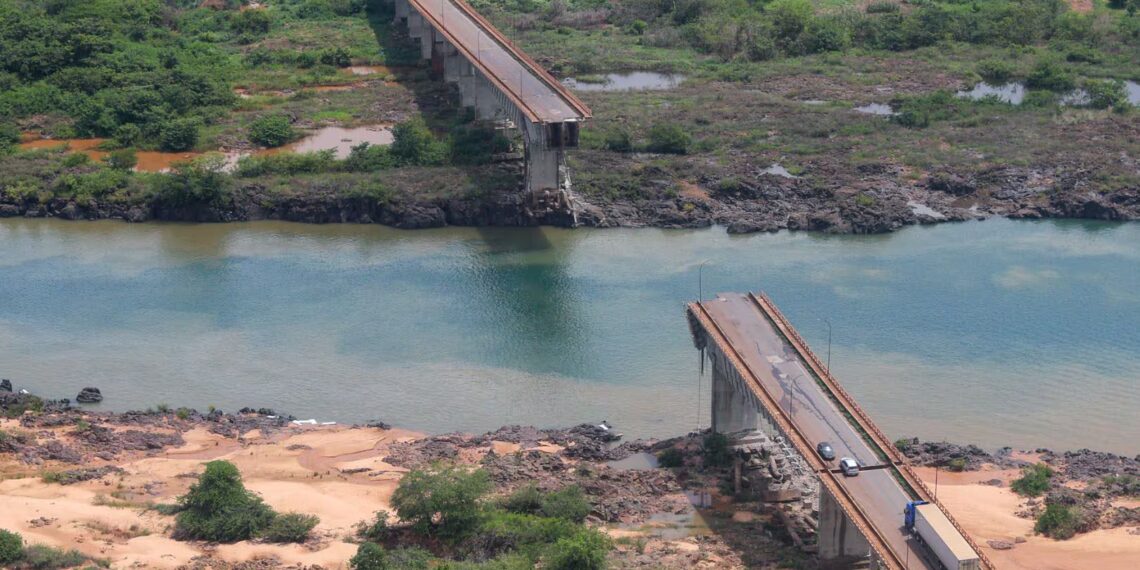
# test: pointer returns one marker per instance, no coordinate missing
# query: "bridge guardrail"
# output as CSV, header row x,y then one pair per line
x,y
829,479
882,441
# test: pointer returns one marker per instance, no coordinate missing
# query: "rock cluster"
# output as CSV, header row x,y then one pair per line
x,y
89,395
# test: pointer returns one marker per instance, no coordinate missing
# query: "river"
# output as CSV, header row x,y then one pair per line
x,y
1023,333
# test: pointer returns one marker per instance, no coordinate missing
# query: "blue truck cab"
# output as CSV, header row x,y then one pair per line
x,y
908,514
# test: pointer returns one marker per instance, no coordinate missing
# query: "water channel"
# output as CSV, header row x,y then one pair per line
x,y
998,332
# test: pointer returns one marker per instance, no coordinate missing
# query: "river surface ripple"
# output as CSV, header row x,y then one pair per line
x,y
1023,333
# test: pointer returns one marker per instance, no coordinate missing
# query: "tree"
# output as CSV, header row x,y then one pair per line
x,y
219,508
442,500
11,547
179,135
585,550
414,144
1034,480
567,503
669,139
369,556
123,159
271,130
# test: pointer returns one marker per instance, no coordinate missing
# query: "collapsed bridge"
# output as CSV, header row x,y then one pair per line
x,y
766,379
501,83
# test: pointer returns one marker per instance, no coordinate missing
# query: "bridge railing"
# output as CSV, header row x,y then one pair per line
x,y
882,441
850,506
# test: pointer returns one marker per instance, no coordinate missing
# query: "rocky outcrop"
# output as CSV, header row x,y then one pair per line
x,y
89,395
5,385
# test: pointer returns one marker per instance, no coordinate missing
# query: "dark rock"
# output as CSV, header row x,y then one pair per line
x,y
89,395
1000,544
5,385
378,424
950,183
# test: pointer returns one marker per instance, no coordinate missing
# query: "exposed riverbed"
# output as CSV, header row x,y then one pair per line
x,y
999,332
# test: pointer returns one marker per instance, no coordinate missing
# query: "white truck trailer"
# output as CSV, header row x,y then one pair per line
x,y
934,530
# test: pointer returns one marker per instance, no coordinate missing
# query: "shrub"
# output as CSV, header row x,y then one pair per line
x,y
958,464
11,547
442,500
476,144
250,23
618,140
1034,480
271,130
366,157
882,7
568,503
903,444
377,531
290,527
409,558
201,182
218,508
369,556
41,557
414,144
123,159
995,70
585,550
525,500
671,457
502,531
179,135
1106,93
127,135
1058,521
1051,75
826,34
716,450
668,139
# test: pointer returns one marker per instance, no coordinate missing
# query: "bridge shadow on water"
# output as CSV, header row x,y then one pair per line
x,y
537,325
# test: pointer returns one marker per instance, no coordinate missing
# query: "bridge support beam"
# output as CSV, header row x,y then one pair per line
x,y
733,407
838,536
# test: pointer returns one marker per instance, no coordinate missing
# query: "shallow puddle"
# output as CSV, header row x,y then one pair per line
x,y
875,109
780,171
340,139
633,81
369,70
1012,93
148,161
635,462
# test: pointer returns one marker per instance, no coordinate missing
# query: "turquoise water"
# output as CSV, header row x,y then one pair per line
x,y
997,332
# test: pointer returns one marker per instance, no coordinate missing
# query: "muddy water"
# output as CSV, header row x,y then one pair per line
x,y
148,161
634,81
341,139
1000,332
1014,93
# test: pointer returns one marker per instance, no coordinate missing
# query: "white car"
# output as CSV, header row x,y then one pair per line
x,y
849,466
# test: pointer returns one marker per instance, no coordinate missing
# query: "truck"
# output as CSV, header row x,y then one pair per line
x,y
927,523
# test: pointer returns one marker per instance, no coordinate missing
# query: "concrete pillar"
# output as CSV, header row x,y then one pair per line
x,y
732,410
838,537
427,40
485,102
415,25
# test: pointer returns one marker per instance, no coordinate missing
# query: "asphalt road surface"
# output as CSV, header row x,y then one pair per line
x,y
776,365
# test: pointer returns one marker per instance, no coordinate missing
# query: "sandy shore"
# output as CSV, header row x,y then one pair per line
x,y
988,513
298,470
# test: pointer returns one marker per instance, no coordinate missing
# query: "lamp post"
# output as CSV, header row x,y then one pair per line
x,y
828,344
701,281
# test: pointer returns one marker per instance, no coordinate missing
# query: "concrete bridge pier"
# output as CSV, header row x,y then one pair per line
x,y
839,538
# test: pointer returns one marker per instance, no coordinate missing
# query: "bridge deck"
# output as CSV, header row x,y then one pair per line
x,y
777,366
541,97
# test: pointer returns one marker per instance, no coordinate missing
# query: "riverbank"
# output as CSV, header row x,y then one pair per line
x,y
870,200
96,482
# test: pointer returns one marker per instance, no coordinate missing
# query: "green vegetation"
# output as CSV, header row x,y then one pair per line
x,y
448,506
1034,480
958,464
11,547
670,458
1058,521
15,555
442,501
271,130
716,450
290,527
218,508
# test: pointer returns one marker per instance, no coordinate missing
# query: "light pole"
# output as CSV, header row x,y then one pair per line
x,y
701,281
828,344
